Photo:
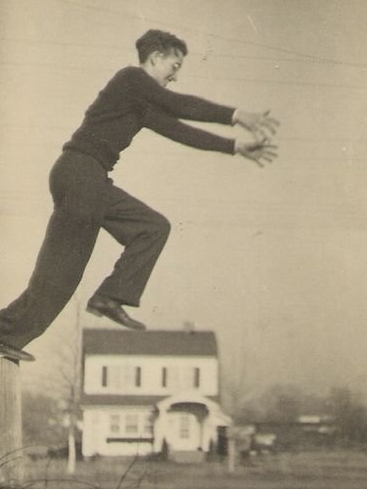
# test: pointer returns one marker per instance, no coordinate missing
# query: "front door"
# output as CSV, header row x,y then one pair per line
x,y
183,431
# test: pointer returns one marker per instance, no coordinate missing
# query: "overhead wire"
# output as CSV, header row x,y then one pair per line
x,y
198,77
207,55
307,56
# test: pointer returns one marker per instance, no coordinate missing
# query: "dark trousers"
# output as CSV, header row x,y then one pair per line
x,y
85,200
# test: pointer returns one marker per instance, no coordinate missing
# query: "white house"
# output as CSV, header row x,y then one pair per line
x,y
150,392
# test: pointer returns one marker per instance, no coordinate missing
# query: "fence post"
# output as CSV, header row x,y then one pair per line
x,y
11,457
231,449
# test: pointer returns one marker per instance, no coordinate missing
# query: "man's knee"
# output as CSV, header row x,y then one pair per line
x,y
162,225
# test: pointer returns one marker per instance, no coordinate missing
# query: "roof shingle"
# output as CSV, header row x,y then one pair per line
x,y
175,343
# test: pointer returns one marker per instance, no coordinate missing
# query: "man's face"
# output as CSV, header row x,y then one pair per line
x,y
167,66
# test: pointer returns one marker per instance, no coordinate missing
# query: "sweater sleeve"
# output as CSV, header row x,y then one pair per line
x,y
185,134
178,105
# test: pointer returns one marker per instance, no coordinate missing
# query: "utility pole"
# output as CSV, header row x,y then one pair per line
x,y
11,457
73,393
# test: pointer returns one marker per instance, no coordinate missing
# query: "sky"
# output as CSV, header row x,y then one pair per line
x,y
273,260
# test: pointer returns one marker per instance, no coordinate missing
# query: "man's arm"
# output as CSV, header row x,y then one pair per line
x,y
185,134
258,151
184,106
175,104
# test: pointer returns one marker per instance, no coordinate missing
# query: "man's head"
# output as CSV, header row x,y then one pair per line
x,y
161,55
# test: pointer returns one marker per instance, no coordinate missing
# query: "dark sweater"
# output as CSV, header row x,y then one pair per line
x,y
132,100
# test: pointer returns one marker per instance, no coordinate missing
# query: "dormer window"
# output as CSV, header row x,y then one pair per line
x,y
137,376
104,376
164,377
196,377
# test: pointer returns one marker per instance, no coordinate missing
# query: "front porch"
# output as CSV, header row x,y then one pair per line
x,y
186,427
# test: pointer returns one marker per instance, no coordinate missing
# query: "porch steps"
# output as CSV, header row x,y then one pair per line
x,y
187,456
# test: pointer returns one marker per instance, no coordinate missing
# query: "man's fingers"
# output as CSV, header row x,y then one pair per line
x,y
258,162
260,134
271,121
262,147
267,148
268,156
266,124
269,126
269,160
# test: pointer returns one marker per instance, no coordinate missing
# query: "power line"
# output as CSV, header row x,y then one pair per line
x,y
227,79
273,82
294,60
208,55
63,44
307,56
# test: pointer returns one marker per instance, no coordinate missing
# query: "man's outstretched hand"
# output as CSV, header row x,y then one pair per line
x,y
261,125
260,151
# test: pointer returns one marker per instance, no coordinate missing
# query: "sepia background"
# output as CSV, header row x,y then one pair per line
x,y
273,260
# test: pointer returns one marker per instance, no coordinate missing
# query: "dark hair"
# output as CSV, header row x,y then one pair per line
x,y
156,40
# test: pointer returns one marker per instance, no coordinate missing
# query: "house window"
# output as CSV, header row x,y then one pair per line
x,y
131,424
196,377
148,424
164,377
104,376
137,376
184,426
114,423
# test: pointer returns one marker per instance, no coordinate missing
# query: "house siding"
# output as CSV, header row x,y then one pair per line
x,y
143,375
115,431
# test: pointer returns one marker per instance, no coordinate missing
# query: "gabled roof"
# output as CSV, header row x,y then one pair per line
x,y
175,343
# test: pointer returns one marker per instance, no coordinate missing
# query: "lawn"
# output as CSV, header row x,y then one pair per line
x,y
316,470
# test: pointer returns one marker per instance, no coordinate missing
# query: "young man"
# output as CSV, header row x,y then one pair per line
x,y
85,198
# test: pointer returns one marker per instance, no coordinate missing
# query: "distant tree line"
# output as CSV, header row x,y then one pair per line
x,y
283,404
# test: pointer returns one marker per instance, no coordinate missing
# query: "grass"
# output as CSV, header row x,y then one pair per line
x,y
312,470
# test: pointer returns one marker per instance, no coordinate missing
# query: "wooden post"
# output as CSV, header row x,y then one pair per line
x,y
231,455
11,466
231,450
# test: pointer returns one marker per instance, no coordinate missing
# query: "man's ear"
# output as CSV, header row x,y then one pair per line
x,y
154,56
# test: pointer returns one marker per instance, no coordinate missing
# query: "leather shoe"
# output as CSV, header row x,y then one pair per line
x,y
13,353
101,306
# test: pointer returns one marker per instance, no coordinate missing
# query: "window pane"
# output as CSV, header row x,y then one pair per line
x,y
148,424
131,425
184,426
114,423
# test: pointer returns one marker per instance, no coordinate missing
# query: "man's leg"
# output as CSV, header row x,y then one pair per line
x,y
79,186
144,233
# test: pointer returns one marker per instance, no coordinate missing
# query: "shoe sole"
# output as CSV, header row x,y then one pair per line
x,y
94,311
19,356
99,314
